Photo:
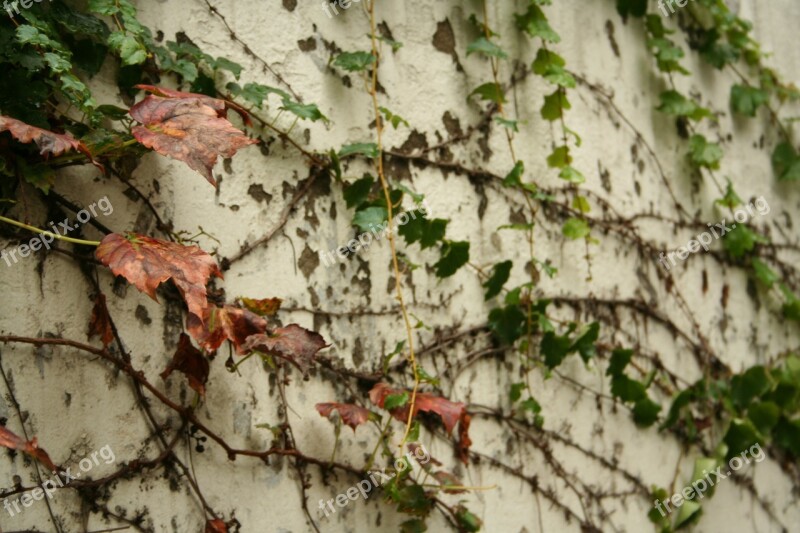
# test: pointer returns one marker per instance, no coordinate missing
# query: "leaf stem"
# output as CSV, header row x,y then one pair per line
x,y
34,229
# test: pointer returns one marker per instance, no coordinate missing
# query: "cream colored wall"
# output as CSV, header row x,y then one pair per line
x,y
76,406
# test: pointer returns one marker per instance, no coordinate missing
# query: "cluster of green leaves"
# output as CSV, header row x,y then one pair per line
x,y
762,406
371,214
631,391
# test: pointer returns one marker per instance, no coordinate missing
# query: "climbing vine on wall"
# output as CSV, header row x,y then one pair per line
x,y
187,105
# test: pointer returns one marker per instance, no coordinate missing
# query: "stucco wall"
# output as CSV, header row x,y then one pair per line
x,y
76,406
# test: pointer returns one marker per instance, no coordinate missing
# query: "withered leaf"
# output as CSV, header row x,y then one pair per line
x,y
352,415
49,143
100,323
146,263
221,323
188,130
216,526
217,104
450,412
265,307
31,448
191,362
293,343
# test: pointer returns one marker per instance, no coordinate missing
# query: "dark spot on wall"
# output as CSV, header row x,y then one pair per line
x,y
605,176
611,39
452,125
309,261
307,45
358,353
415,141
303,234
290,5
444,40
142,315
483,144
257,192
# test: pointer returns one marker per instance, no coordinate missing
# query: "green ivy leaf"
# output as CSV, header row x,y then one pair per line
x,y
515,392
485,46
572,175
490,91
554,106
560,157
513,177
749,385
534,23
370,218
510,124
703,153
454,256
132,52
619,360
506,323
741,240
305,111
555,348
366,149
500,274
786,162
575,228
764,416
627,389
357,192
674,103
223,63
645,412
746,100
764,273
584,344
393,401
354,61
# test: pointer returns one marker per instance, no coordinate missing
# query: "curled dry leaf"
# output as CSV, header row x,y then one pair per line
x,y
216,526
191,362
49,143
221,323
217,104
187,129
265,307
293,343
100,323
450,412
352,415
147,263
14,442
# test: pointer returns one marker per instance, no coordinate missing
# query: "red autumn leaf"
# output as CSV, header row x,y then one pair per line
x,y
450,412
187,129
216,526
293,343
464,442
14,442
49,143
265,307
190,361
147,263
100,323
215,103
352,415
221,323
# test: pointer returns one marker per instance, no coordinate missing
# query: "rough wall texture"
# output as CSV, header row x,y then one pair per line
x,y
589,444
